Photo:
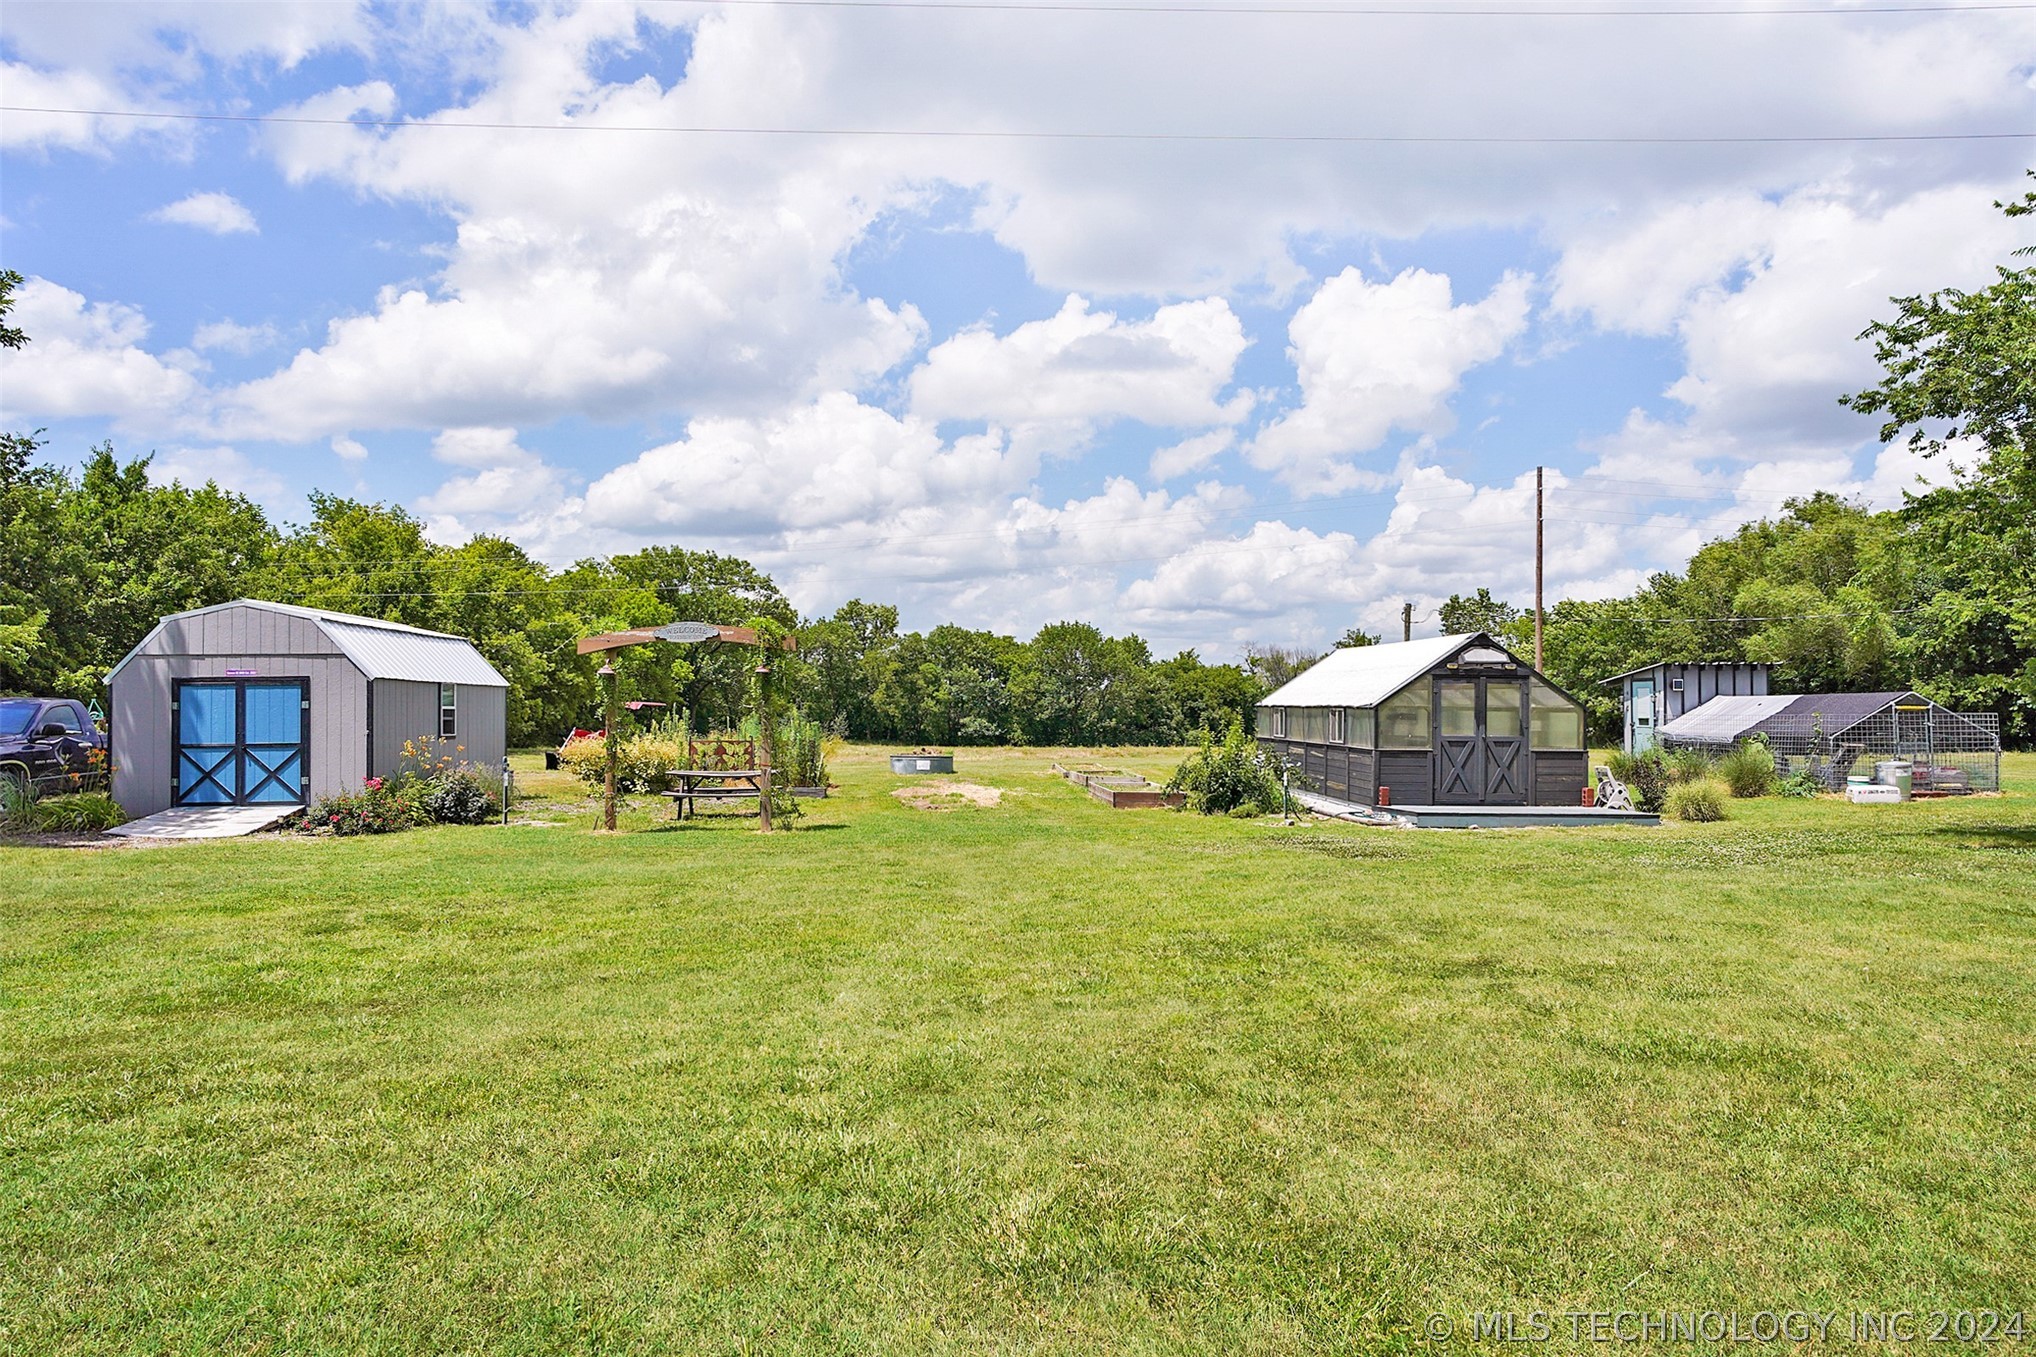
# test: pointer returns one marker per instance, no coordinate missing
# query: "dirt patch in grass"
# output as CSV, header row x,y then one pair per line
x,y
92,840
947,795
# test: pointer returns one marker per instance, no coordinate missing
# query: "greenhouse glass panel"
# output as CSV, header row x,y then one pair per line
x,y
1404,720
1556,722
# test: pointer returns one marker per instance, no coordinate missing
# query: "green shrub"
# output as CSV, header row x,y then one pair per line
x,y
1697,802
379,807
643,760
1645,776
1801,784
1748,769
464,797
83,813
1220,778
1686,765
799,753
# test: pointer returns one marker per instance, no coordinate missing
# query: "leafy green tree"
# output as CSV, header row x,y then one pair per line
x,y
1077,686
1274,666
11,336
965,685
853,659
1960,382
1208,697
1476,612
1356,637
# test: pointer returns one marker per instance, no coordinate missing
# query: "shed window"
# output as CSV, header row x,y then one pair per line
x,y
1557,722
1272,722
448,711
1357,727
1404,720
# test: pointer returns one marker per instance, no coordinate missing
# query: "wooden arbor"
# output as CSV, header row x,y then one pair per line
x,y
676,633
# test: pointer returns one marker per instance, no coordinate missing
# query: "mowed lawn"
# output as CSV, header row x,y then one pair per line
x,y
1032,1077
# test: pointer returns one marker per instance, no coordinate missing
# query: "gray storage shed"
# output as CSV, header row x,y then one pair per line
x,y
266,704
1655,694
1448,721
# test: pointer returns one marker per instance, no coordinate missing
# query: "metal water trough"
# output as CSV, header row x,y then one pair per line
x,y
922,763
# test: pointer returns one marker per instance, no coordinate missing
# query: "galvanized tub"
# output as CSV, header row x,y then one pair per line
x,y
922,763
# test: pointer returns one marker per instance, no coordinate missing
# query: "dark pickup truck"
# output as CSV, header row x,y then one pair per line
x,y
49,742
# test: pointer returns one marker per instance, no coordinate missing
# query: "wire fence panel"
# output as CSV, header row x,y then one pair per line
x,y
1949,752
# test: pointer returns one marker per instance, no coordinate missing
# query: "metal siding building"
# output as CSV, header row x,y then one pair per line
x,y
255,703
1656,694
1446,721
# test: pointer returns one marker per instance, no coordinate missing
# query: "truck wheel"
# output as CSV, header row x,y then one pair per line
x,y
14,783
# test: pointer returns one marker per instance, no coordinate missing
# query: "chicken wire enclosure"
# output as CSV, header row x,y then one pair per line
x,y
1949,752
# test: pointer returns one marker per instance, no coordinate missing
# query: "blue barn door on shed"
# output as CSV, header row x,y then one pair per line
x,y
240,742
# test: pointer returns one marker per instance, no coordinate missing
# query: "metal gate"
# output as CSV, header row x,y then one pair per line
x,y
240,742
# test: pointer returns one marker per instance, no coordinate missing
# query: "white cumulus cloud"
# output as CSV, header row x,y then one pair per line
x,y
86,358
1374,357
220,213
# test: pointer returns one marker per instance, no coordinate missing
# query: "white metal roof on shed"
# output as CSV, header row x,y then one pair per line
x,y
1725,719
1364,676
380,650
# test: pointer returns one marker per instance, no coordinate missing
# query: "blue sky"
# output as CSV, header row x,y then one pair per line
x,y
1217,392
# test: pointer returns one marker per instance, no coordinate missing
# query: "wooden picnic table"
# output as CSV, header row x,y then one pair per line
x,y
693,785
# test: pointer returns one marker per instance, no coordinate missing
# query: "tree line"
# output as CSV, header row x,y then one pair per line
x,y
95,556
1939,595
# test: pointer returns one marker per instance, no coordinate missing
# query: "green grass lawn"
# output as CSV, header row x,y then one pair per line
x,y
1036,1077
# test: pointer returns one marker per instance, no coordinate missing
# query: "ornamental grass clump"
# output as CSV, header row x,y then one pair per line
x,y
1235,775
24,810
1697,802
1748,769
1686,765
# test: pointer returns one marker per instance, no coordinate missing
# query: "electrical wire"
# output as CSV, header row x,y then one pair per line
x,y
360,567
1039,134
1365,11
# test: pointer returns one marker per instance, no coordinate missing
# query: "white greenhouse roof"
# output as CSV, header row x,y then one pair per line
x,y
1724,719
380,650
1364,676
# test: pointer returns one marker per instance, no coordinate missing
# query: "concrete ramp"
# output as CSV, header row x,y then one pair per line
x,y
204,822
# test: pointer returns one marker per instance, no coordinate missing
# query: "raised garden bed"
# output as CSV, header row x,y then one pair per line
x,y
1120,790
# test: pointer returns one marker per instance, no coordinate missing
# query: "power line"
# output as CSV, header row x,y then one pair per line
x,y
358,567
1037,134
1364,11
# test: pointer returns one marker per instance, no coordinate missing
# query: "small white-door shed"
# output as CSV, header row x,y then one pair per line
x,y
266,704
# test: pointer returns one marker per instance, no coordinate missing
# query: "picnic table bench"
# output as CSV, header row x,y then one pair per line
x,y
693,785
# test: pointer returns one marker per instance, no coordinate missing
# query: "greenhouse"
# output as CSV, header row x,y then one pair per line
x,y
1446,721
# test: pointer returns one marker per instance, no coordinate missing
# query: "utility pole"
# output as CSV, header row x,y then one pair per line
x,y
1537,567
1406,621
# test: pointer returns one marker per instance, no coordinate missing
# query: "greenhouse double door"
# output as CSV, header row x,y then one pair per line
x,y
1480,742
